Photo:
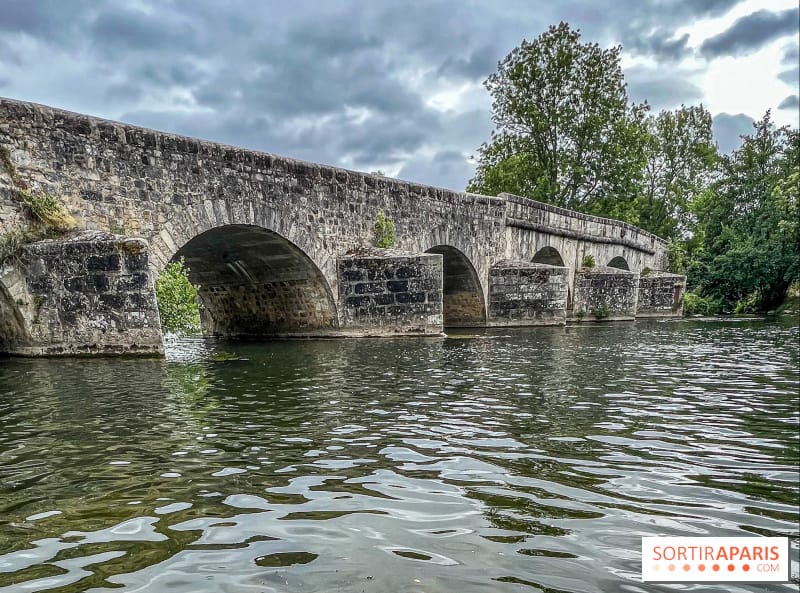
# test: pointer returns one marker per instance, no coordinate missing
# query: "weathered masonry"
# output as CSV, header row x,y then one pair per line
x,y
281,247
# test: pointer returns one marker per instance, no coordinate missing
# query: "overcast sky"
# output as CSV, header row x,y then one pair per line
x,y
379,84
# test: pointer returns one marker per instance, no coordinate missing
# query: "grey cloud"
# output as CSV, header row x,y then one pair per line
x,y
728,130
791,58
662,89
481,63
659,45
123,30
791,76
447,168
792,102
327,82
791,54
751,32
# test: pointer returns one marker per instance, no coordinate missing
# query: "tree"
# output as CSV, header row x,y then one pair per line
x,y
680,161
748,239
564,132
177,300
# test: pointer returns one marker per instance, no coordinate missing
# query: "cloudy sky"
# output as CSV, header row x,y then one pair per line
x,y
379,84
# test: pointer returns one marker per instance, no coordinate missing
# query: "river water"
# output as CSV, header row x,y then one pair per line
x,y
500,460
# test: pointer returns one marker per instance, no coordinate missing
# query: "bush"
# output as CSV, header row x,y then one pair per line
x,y
178,306
646,272
46,209
588,261
601,312
384,231
694,304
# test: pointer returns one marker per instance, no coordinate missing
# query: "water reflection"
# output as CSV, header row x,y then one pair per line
x,y
501,460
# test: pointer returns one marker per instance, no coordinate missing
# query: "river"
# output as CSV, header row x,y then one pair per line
x,y
501,460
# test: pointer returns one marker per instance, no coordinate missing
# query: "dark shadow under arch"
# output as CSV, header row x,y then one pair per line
x,y
255,283
619,262
462,295
549,256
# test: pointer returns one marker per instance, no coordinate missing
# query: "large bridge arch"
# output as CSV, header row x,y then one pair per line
x,y
255,282
463,299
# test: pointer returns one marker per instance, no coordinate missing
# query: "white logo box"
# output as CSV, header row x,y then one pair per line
x,y
715,559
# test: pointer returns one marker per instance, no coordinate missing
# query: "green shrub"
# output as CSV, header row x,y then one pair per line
x,y
646,271
11,244
177,300
694,304
748,304
384,231
588,261
46,209
601,312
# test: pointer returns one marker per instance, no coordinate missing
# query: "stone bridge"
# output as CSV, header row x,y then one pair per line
x,y
281,247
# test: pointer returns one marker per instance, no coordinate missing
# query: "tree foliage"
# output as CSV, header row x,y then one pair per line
x,y
746,249
681,157
178,306
564,132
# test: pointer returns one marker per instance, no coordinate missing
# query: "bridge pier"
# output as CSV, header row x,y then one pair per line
x,y
88,295
389,292
604,293
524,293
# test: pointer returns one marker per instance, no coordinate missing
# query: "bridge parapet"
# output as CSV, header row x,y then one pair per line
x,y
538,216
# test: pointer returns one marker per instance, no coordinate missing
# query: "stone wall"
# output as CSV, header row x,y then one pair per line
x,y
603,293
388,291
660,295
522,293
90,294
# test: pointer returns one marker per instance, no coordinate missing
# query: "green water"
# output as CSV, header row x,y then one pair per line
x,y
504,460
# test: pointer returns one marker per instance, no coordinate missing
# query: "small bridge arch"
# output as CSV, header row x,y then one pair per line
x,y
619,262
548,255
462,295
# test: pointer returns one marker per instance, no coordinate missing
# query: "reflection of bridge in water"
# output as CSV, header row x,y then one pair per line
x,y
277,246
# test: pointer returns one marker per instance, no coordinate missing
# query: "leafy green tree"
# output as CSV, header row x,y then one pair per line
x,y
681,160
178,306
564,132
748,244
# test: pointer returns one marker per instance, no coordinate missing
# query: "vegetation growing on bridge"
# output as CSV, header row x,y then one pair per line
x,y
178,305
384,231
566,134
46,216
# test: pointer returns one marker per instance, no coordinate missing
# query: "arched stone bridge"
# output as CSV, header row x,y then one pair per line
x,y
281,247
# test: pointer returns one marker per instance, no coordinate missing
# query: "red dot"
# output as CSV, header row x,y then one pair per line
x,y
671,567
715,567
745,567
686,568
701,567
731,567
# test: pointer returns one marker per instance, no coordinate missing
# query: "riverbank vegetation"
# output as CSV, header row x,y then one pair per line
x,y
567,134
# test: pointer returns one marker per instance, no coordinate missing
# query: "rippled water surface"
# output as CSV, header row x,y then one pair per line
x,y
510,460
